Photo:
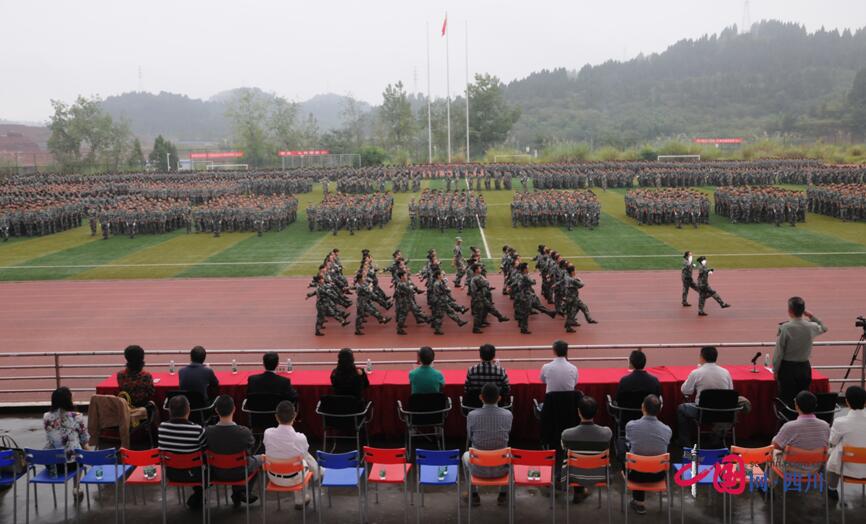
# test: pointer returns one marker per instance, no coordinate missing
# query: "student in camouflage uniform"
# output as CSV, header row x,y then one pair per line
x,y
687,275
571,302
326,305
704,289
364,304
459,262
442,303
404,298
481,300
525,299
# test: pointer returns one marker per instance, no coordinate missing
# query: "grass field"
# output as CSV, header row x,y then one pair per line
x,y
618,243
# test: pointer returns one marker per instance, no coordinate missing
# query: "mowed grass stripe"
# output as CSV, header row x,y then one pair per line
x,y
19,251
256,256
526,239
88,254
614,237
705,239
181,248
854,232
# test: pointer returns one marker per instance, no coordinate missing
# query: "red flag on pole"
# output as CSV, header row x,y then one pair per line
x,y
445,24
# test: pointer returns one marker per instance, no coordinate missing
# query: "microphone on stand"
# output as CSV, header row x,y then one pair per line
x,y
755,362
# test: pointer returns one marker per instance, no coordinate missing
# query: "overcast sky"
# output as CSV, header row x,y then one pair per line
x,y
59,49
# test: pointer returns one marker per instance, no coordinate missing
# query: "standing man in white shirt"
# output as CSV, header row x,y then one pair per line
x,y
708,375
559,374
283,443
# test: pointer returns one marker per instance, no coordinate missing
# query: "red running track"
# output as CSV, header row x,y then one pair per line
x,y
632,307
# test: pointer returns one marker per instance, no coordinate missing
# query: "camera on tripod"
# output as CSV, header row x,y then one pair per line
x,y
860,322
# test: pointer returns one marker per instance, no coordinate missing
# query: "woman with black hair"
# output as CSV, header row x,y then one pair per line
x,y
136,382
65,428
346,378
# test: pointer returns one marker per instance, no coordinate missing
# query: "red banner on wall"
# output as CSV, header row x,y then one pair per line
x,y
307,152
717,140
216,155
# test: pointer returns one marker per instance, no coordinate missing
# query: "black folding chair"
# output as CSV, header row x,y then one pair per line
x,y
199,410
261,410
624,409
425,417
344,417
719,408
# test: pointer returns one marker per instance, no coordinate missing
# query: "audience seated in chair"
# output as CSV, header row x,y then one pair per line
x,y
65,429
269,382
649,437
638,380
346,378
559,374
708,375
488,428
849,430
425,379
196,377
586,436
806,431
136,382
180,435
227,438
284,443
486,371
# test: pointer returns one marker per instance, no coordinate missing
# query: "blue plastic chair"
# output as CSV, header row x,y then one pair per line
x,y
703,459
8,459
101,468
49,458
341,470
429,463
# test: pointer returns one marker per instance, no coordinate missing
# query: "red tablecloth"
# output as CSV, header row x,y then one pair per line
x,y
388,386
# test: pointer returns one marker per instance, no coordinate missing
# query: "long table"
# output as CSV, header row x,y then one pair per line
x,y
388,386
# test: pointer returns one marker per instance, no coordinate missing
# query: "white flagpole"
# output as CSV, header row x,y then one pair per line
x,y
429,124
467,91
448,86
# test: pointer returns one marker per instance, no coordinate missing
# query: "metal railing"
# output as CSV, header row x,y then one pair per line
x,y
56,367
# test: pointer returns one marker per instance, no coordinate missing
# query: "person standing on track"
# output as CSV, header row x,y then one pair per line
x,y
459,262
688,277
704,289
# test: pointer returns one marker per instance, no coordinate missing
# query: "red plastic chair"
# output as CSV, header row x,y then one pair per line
x,y
184,461
523,462
851,455
148,458
812,460
218,461
285,468
490,459
578,461
388,466
654,464
758,462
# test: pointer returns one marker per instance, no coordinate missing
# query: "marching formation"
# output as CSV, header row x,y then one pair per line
x,y
668,206
845,201
351,212
761,205
447,209
236,213
555,208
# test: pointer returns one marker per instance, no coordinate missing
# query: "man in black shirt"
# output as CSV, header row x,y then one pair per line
x,y
638,381
269,382
196,377
227,438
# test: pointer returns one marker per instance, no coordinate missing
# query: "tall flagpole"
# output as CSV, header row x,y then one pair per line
x,y
467,91
448,86
429,124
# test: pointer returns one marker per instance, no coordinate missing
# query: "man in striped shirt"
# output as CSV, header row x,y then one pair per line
x,y
179,435
486,371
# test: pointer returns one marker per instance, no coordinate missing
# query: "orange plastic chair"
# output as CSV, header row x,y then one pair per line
x,y
489,459
851,455
758,463
388,466
184,461
814,460
589,461
285,468
218,461
654,464
148,458
524,461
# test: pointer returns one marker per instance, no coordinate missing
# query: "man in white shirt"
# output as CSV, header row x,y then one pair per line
x,y
708,375
559,374
284,443
849,430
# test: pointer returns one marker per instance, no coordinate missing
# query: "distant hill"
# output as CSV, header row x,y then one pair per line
x,y
777,78
186,119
